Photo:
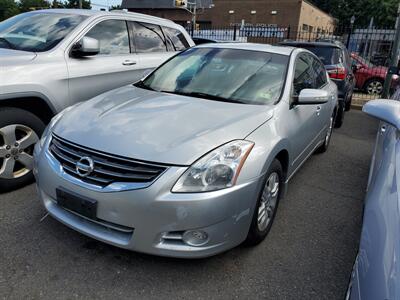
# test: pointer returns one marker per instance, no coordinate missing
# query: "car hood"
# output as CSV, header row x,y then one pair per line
x,y
9,56
378,70
158,127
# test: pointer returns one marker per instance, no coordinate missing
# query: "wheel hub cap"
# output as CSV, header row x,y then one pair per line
x,y
16,149
375,88
268,201
329,132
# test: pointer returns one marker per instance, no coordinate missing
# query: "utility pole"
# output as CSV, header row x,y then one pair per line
x,y
394,58
80,4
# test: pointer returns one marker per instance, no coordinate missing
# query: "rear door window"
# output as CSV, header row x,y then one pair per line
x,y
176,41
148,37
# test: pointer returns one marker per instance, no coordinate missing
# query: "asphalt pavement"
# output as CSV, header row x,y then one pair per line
x,y
308,254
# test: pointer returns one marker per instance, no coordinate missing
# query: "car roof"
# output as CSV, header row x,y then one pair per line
x,y
252,47
320,44
92,13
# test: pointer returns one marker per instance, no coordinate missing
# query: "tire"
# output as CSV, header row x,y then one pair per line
x,y
347,106
324,147
19,131
340,115
258,231
374,86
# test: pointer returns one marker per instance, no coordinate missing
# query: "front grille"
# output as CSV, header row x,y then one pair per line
x,y
108,168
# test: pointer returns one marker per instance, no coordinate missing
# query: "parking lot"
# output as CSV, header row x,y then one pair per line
x,y
308,254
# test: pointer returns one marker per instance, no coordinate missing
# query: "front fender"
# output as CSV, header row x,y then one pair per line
x,y
266,148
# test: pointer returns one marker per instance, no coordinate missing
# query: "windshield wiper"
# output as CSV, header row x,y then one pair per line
x,y
204,96
7,42
140,84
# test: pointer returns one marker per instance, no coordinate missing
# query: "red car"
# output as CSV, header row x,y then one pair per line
x,y
369,78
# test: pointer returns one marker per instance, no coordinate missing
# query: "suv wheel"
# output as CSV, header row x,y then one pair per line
x,y
267,204
340,115
374,86
19,132
348,103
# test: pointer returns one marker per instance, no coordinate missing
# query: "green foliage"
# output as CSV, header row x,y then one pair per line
x,y
115,7
8,8
28,5
75,4
384,12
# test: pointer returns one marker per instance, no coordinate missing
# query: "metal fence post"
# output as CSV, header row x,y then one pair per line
x,y
288,32
394,58
234,32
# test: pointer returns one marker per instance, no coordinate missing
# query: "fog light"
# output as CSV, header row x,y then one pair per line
x,y
195,238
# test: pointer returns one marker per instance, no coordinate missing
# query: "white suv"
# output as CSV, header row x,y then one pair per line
x,y
51,59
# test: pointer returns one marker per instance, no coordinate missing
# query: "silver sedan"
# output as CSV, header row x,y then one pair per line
x,y
193,159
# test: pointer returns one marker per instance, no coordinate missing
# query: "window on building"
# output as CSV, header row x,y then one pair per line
x,y
148,37
112,36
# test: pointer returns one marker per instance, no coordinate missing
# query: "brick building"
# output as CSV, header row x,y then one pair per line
x,y
299,14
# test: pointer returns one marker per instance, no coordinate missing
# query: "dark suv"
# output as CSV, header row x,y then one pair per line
x,y
337,62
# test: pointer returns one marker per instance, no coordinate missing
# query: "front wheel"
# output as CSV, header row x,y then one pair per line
x,y
19,132
267,204
328,136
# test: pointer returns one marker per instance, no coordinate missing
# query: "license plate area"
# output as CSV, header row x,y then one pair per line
x,y
76,203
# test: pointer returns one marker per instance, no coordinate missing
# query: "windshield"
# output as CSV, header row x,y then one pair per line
x,y
233,75
36,32
328,55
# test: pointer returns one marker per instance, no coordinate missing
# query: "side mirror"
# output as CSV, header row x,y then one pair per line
x,y
385,110
87,46
312,96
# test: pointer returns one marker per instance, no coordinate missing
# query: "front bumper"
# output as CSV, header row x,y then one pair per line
x,y
152,219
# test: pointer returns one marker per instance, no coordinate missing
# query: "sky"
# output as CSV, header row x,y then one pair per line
x,y
98,4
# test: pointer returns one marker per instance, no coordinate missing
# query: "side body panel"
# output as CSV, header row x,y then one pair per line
x,y
376,272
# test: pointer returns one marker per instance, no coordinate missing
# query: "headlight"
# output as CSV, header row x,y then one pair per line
x,y
217,170
53,122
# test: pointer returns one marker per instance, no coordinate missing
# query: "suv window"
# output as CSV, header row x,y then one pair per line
x,y
303,75
112,35
176,41
320,73
328,55
148,37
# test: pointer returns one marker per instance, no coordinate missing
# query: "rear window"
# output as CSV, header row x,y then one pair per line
x,y
328,55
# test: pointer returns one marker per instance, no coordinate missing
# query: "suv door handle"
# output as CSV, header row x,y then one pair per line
x,y
129,62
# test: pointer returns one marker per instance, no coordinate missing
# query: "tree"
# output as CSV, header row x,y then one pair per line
x,y
8,8
384,12
75,4
28,5
115,7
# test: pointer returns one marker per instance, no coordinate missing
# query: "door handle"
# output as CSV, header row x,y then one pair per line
x,y
318,110
383,128
129,62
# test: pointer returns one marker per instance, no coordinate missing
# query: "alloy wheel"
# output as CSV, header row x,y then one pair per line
x,y
16,150
269,199
375,88
329,132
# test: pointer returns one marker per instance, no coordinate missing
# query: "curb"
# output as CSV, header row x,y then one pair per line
x,y
356,107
